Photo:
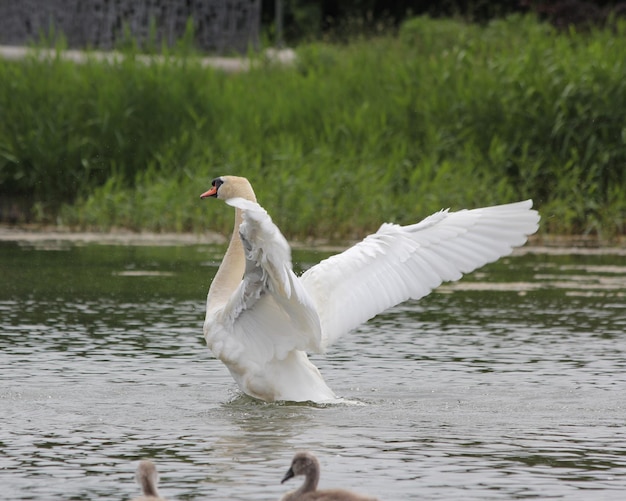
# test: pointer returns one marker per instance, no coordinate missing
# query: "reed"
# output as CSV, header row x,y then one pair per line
x,y
443,114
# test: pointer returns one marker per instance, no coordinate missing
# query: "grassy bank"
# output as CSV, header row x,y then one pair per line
x,y
443,115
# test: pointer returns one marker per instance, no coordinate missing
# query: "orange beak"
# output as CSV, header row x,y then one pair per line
x,y
211,193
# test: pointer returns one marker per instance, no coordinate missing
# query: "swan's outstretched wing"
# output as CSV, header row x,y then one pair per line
x,y
270,314
406,262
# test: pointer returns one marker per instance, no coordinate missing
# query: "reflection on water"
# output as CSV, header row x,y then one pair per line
x,y
509,384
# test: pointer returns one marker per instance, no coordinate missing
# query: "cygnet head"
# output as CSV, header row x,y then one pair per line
x,y
304,463
148,478
225,187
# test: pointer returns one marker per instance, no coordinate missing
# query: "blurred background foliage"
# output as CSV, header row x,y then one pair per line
x,y
384,116
332,20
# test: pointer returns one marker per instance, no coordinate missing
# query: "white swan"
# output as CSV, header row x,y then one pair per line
x,y
305,463
261,318
148,478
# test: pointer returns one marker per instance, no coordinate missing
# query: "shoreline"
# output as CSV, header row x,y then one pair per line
x,y
39,236
116,237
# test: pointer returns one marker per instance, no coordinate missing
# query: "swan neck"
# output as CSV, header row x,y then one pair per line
x,y
311,480
148,487
231,270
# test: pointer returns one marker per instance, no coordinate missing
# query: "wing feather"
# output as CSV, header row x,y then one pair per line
x,y
406,262
270,309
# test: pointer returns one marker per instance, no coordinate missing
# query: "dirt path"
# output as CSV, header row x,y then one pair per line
x,y
227,64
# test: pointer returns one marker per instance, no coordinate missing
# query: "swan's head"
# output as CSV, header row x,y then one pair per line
x,y
304,463
225,187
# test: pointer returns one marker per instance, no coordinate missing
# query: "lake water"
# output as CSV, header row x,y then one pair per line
x,y
510,384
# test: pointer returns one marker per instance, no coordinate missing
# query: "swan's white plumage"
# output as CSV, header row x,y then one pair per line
x,y
407,262
264,326
269,323
270,298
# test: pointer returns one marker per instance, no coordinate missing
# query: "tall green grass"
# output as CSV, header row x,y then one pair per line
x,y
445,114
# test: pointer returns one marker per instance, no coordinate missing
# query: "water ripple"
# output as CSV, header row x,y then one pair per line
x,y
505,386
